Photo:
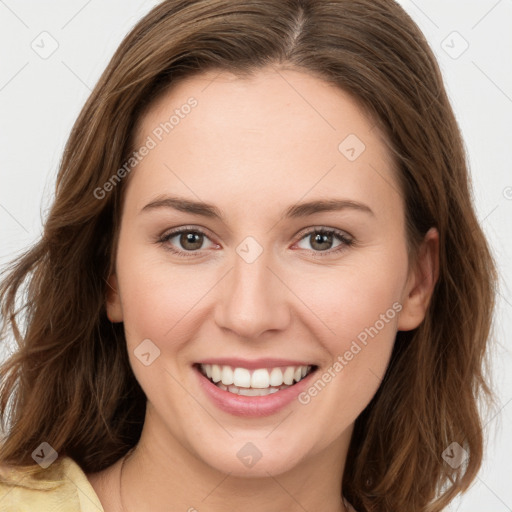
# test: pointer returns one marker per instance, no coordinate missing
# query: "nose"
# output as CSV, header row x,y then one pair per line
x,y
253,299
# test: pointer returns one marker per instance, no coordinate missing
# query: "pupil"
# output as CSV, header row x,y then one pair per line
x,y
191,238
322,238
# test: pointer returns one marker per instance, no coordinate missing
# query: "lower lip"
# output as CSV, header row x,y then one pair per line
x,y
251,406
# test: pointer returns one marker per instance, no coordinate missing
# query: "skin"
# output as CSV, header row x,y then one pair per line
x,y
254,147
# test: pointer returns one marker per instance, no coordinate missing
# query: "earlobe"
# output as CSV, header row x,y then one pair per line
x,y
113,301
421,283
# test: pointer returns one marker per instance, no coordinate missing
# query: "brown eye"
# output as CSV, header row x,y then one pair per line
x,y
191,240
322,240
185,241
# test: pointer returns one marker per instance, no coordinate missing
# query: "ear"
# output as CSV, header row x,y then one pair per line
x,y
113,300
420,283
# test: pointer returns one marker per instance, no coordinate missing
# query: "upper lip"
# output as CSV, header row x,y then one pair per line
x,y
253,364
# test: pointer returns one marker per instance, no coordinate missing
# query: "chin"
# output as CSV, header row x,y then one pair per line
x,y
253,459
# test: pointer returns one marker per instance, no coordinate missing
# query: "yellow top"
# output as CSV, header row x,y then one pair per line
x,y
62,487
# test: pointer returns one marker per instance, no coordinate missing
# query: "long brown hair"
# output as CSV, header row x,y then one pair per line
x,y
70,383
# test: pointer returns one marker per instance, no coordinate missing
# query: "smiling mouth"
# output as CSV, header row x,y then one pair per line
x,y
258,382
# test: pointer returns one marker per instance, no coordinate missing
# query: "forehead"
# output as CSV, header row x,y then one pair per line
x,y
281,133
263,104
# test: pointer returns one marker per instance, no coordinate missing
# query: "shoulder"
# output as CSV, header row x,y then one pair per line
x,y
61,486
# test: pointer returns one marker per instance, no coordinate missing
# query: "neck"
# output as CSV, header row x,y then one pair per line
x,y
161,473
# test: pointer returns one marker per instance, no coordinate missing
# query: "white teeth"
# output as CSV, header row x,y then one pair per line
x,y
216,373
227,375
276,377
242,377
236,379
260,379
252,391
288,375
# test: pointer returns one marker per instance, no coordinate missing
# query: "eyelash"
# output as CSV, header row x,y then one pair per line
x,y
340,235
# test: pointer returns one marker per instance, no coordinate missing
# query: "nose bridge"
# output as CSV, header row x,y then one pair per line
x,y
253,300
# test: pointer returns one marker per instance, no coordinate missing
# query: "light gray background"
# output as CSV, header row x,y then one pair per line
x,y
41,97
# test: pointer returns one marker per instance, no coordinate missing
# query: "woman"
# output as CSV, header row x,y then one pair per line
x,y
262,283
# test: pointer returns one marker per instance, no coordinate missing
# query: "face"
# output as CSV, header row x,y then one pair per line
x,y
263,279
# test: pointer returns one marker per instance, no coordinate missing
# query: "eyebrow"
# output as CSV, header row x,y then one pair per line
x,y
295,211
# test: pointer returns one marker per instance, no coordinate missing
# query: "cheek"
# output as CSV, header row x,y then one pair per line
x,y
157,297
358,305
364,320
357,301
359,342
